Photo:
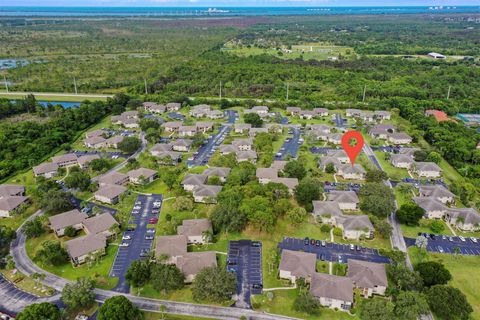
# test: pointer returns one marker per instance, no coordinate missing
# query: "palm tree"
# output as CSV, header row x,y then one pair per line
x,y
207,236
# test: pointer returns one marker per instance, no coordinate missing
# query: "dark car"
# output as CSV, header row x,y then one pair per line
x,y
317,243
256,244
130,228
232,263
359,248
306,241
312,242
257,286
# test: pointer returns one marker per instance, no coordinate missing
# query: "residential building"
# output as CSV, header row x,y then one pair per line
x,y
72,218
297,264
142,176
100,224
46,170
204,127
382,131
427,169
320,112
114,141
254,131
154,107
369,277
221,172
172,126
96,133
332,291
355,226
438,192
171,246
65,160
382,115
355,172
339,154
347,200
294,111
438,115
10,204
401,161
247,156
242,128
206,193
243,144
113,177
465,219
196,230
326,211
11,190
433,208
83,161
182,145
335,138
279,165
159,148
399,138
187,131
290,183
266,175
80,249
191,180
173,106
192,263
109,193
95,142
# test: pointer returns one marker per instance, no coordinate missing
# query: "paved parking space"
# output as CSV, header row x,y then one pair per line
x,y
146,207
321,150
339,121
329,186
232,116
334,252
11,295
77,203
451,245
291,145
176,116
245,259
206,151
154,117
103,154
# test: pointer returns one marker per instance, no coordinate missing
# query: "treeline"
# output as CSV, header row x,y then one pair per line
x,y
9,108
25,144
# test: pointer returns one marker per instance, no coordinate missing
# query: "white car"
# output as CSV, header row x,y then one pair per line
x,y
150,230
126,237
461,238
137,208
124,244
474,240
157,204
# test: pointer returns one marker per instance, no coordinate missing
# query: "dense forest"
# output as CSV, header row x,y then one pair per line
x,y
27,143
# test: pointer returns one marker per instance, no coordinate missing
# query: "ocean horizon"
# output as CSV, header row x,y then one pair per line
x,y
36,11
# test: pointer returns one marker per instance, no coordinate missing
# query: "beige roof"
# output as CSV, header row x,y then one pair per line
x,y
242,142
436,191
243,126
356,168
204,124
11,203
300,264
333,287
322,208
11,190
427,166
217,171
279,164
142,172
110,191
83,160
45,168
246,155
343,196
401,158
66,219
228,148
173,105
192,263
290,183
129,114
194,227
65,158
172,154
99,223
366,274
114,177
94,140
325,160
160,147
187,129
183,143
266,173
95,133
172,246
469,215
85,245
115,139
172,124
399,136
337,153
429,204
207,191
194,179
355,222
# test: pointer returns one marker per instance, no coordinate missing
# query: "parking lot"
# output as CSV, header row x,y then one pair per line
x,y
176,116
291,145
103,154
339,121
321,150
90,205
447,244
232,116
245,259
154,117
206,151
334,252
11,295
137,242
329,186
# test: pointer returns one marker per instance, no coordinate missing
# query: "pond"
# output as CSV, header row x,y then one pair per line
x,y
65,104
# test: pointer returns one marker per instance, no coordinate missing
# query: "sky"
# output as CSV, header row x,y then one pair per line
x,y
236,3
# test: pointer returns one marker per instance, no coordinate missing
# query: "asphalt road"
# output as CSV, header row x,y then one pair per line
x,y
246,261
339,121
137,244
334,252
438,244
321,150
291,146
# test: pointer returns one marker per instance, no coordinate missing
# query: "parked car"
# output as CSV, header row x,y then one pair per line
x,y
352,247
127,237
440,249
324,243
149,237
474,240
450,239
124,244
150,230
312,242
461,238
256,244
322,257
153,220
317,243
306,241
131,228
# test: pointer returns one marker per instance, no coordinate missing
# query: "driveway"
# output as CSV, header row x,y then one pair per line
x,y
143,210
334,252
232,116
245,259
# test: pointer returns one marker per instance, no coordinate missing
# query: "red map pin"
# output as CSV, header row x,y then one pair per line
x,y
352,143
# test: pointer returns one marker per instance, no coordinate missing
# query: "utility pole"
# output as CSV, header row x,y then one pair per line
x,y
448,93
286,97
146,88
75,85
364,91
6,83
220,90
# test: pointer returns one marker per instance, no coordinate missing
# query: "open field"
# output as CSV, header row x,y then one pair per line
x,y
464,270
42,96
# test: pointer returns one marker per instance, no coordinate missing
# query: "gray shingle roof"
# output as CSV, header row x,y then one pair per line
x,y
343,196
194,227
300,264
86,244
66,219
171,245
334,287
326,208
365,274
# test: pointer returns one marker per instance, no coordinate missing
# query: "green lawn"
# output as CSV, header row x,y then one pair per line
x,y
392,172
27,284
464,270
52,97
99,272
282,302
167,316
412,231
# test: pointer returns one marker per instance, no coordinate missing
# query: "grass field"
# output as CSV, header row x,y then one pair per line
x,y
58,97
27,284
464,270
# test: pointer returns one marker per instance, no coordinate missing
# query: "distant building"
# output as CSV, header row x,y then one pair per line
x,y
435,55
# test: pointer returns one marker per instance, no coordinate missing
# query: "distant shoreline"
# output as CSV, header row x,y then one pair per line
x,y
152,12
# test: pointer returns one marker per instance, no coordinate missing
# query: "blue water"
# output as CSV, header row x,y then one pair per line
x,y
64,104
234,11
